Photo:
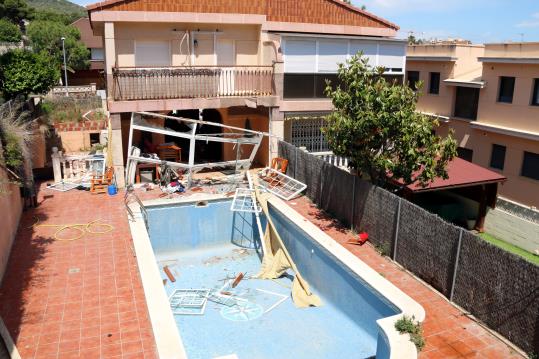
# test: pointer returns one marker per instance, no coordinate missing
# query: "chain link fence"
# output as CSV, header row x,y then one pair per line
x,y
496,286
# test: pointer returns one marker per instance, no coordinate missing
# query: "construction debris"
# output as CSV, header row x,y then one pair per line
x,y
279,184
189,301
169,274
237,281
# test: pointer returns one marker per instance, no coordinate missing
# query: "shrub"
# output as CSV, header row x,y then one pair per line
x,y
9,32
23,72
70,109
410,326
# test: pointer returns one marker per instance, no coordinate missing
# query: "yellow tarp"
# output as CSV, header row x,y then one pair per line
x,y
277,261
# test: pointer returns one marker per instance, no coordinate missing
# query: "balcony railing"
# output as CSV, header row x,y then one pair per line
x,y
192,82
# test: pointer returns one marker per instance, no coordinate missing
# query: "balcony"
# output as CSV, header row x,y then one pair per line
x,y
192,82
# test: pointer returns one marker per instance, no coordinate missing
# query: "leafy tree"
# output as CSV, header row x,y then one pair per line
x,y
23,72
412,40
46,36
375,124
9,32
14,10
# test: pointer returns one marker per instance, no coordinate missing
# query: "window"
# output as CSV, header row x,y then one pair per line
x,y
94,138
530,165
497,157
307,85
413,78
465,153
466,102
434,83
97,54
152,53
535,93
507,87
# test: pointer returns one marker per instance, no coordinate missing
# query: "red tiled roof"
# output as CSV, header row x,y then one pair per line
x,y
302,11
461,174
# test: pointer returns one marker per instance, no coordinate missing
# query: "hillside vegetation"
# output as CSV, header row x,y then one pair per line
x,y
58,6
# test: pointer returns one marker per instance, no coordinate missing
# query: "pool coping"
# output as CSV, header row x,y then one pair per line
x,y
401,346
167,336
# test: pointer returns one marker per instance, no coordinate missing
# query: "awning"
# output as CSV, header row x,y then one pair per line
x,y
468,79
466,82
510,60
461,174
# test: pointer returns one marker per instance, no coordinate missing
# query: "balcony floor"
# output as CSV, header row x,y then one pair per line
x,y
84,299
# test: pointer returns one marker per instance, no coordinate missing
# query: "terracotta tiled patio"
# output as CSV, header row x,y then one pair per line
x,y
83,298
448,332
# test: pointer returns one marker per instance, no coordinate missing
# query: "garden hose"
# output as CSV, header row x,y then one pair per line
x,y
83,228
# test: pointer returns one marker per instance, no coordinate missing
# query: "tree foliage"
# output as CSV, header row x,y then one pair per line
x,y
9,32
46,36
23,72
375,124
14,10
412,40
48,15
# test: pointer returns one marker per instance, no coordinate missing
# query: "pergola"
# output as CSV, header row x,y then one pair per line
x,y
469,180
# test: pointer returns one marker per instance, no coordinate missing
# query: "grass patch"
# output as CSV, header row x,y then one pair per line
x,y
530,257
410,326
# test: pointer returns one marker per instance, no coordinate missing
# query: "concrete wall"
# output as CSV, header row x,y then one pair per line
x,y
10,208
513,229
245,39
519,114
439,104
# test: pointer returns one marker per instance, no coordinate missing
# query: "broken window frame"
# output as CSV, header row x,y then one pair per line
x,y
238,138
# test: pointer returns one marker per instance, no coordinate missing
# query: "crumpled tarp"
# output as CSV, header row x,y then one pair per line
x,y
277,261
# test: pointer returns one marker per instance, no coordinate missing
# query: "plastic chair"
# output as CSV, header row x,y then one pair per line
x,y
279,164
99,183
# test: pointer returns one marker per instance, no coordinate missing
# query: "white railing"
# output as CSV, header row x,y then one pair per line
x,y
61,90
76,169
191,82
329,157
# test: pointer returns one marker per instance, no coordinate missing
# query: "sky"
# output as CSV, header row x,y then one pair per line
x,y
481,21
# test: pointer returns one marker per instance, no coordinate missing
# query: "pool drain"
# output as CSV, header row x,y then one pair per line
x,y
242,313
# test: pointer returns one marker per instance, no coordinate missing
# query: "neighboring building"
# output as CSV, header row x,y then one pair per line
x,y
489,95
93,43
248,64
95,74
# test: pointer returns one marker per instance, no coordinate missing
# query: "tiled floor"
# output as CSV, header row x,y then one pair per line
x,y
83,298
448,333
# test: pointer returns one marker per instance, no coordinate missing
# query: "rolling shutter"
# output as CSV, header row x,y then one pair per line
x,y
152,53
330,54
300,56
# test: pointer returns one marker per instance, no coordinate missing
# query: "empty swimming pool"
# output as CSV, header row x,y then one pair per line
x,y
205,245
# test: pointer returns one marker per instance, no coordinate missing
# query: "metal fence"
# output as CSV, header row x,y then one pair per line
x,y
496,286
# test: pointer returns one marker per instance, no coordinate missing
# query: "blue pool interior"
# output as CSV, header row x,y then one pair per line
x,y
203,245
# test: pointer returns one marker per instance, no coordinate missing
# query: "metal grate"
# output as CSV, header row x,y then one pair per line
x,y
280,184
244,201
189,301
307,132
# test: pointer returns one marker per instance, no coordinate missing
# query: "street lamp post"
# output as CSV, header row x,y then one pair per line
x,y
65,64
